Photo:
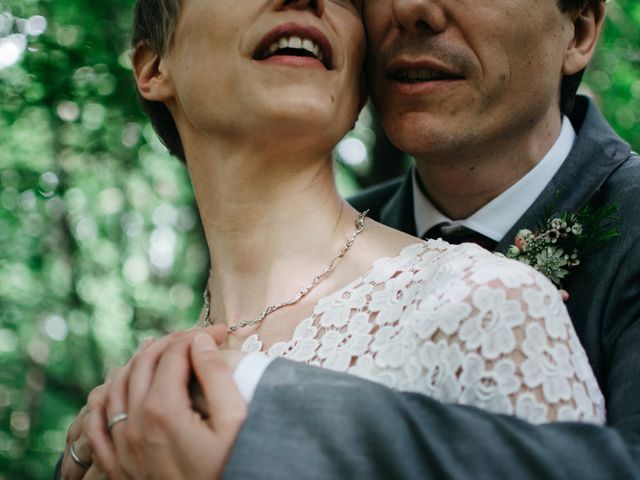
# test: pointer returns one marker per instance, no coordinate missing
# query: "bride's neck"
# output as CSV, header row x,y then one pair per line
x,y
272,222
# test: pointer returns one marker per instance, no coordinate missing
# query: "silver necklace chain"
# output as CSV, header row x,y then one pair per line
x,y
300,295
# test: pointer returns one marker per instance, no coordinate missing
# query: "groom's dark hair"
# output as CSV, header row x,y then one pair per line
x,y
155,23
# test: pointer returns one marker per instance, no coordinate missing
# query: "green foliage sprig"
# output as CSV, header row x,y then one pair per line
x,y
560,243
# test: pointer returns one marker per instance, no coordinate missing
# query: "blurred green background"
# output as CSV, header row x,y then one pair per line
x,y
100,244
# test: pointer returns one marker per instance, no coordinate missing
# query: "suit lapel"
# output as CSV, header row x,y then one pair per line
x,y
398,212
595,155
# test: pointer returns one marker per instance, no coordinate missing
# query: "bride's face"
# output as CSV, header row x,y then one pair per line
x,y
267,67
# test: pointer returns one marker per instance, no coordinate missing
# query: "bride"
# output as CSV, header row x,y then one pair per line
x,y
254,96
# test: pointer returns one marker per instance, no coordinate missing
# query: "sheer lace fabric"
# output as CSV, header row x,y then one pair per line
x,y
458,324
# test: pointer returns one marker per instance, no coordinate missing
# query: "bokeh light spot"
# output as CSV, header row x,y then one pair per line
x,y
6,23
86,229
135,270
38,351
165,214
131,134
36,25
162,251
56,327
111,200
68,35
181,296
11,49
352,151
93,116
48,183
68,111
20,424
8,341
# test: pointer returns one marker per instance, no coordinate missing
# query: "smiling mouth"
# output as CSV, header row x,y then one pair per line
x,y
293,46
419,75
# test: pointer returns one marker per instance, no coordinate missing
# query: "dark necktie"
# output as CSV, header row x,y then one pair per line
x,y
459,234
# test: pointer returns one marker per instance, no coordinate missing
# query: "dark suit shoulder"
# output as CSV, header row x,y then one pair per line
x,y
627,176
622,188
375,198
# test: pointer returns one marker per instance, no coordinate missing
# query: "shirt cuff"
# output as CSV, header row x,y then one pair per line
x,y
249,372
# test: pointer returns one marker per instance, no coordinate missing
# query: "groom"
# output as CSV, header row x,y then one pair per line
x,y
482,94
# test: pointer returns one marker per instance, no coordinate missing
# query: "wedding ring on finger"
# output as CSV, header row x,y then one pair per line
x,y
77,460
117,418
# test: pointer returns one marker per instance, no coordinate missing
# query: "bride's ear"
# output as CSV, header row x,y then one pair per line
x,y
150,71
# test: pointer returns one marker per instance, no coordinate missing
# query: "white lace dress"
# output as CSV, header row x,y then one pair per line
x,y
458,324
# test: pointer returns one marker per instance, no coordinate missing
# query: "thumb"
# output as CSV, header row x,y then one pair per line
x,y
218,333
226,407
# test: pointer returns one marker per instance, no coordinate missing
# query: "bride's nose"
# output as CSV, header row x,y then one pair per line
x,y
317,6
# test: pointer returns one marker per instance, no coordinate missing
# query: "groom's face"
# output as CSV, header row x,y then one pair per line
x,y
455,76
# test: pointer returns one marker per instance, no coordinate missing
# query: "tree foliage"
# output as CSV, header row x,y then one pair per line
x,y
100,245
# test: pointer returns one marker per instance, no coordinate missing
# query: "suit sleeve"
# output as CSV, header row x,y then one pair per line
x,y
621,340
306,422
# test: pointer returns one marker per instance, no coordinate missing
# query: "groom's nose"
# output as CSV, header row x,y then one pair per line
x,y
418,16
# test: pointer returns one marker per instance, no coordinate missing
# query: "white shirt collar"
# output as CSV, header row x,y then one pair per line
x,y
497,217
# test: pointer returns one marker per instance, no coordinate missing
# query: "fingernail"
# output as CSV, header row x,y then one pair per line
x,y
204,343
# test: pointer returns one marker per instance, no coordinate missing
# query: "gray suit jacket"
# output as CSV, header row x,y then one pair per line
x,y
309,423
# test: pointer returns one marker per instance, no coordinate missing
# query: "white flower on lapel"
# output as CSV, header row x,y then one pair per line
x,y
561,241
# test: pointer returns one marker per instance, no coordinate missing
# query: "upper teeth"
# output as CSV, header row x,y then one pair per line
x,y
421,74
299,43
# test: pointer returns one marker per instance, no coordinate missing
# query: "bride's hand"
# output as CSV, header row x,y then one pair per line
x,y
79,433
89,430
90,424
162,436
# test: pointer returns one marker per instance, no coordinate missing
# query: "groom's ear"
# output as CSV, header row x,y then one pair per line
x,y
587,26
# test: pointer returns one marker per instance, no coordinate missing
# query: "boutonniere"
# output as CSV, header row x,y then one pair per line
x,y
561,242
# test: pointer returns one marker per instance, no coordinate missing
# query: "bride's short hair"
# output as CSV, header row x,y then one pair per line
x,y
154,24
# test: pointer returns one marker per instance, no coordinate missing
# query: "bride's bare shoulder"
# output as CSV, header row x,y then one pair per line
x,y
385,241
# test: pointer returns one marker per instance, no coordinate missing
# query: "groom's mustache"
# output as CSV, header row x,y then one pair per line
x,y
454,58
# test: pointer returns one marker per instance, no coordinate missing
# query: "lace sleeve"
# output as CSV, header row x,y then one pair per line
x,y
460,325
516,349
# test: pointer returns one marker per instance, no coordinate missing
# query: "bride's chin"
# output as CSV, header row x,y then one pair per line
x,y
305,105
314,124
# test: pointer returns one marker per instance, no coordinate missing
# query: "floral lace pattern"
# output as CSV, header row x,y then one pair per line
x,y
458,324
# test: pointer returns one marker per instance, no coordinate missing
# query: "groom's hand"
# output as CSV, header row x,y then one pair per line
x,y
163,436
